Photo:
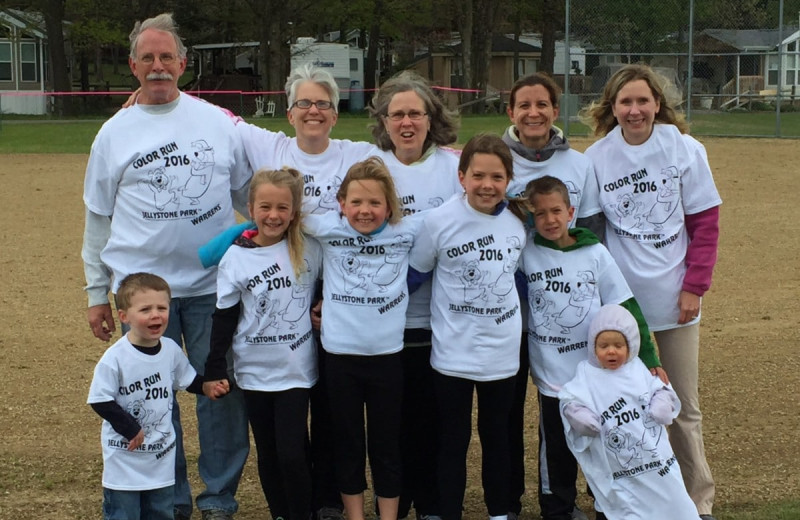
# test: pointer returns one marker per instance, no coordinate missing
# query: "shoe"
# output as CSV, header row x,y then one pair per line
x,y
216,514
437,517
707,517
577,514
180,515
329,513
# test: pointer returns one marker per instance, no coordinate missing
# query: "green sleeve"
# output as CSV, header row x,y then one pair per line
x,y
647,350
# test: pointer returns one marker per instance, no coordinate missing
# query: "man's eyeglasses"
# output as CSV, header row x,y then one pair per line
x,y
414,115
165,58
305,104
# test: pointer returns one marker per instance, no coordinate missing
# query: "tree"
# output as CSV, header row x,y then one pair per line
x,y
552,22
53,12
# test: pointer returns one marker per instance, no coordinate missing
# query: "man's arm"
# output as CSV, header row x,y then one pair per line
x,y
96,233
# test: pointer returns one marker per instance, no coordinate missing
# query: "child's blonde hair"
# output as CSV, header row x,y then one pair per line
x,y
293,180
136,283
374,169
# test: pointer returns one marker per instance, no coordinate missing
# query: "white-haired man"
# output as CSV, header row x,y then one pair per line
x,y
148,208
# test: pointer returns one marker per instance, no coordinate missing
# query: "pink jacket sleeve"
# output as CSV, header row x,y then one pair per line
x,y
701,255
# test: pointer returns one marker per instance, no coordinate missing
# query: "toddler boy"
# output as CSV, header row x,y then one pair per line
x,y
132,391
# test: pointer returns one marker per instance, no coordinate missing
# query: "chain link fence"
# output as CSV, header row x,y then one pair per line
x,y
735,66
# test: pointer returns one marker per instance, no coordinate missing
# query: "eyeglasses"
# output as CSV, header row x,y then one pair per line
x,y
165,58
305,104
414,115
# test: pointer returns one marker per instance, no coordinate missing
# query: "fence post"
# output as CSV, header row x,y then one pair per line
x,y
567,63
780,71
690,59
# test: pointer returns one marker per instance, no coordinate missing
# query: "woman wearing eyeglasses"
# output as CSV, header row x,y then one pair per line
x,y
412,127
313,98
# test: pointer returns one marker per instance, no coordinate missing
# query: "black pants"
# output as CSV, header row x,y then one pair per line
x,y
419,431
377,383
454,398
558,468
516,430
325,493
280,430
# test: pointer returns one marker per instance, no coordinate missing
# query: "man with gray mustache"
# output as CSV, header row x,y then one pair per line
x,y
163,178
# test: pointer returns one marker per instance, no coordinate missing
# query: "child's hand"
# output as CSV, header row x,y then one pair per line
x,y
223,387
316,315
582,419
661,408
660,373
136,441
216,389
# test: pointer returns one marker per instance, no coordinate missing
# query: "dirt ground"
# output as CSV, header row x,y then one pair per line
x,y
50,462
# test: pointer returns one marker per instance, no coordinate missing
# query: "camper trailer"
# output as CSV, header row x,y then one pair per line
x,y
344,62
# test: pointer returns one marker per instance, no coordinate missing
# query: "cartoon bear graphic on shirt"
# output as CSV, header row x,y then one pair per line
x,y
328,201
504,284
393,258
299,304
580,302
471,278
623,448
202,168
266,312
652,430
626,212
352,268
164,187
667,199
540,310
151,426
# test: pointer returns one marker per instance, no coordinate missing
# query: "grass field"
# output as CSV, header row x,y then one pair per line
x,y
37,135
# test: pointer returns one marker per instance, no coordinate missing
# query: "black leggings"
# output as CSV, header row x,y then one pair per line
x,y
377,383
279,424
454,398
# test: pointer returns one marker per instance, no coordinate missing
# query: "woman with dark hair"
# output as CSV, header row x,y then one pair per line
x,y
412,127
539,148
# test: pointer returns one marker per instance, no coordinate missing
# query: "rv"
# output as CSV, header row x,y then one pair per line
x,y
344,62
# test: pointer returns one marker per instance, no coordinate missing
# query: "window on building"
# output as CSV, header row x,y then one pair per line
x,y
772,72
354,64
526,67
28,62
5,61
792,64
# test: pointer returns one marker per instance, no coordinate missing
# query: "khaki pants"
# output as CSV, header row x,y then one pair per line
x,y
678,349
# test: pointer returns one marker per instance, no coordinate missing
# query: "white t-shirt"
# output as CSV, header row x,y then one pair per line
x,y
630,466
166,181
273,348
571,167
322,172
565,290
422,186
645,192
142,385
475,312
365,288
